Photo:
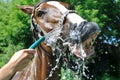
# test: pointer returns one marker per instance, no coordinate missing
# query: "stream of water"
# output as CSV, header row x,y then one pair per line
x,y
54,39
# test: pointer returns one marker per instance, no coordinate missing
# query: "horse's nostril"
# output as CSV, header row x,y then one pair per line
x,y
94,26
89,29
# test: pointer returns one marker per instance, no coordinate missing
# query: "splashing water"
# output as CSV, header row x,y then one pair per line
x,y
55,67
79,63
75,54
56,42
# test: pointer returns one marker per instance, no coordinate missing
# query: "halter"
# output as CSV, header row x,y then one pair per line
x,y
38,31
56,35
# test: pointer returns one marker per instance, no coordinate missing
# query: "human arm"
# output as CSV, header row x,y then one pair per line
x,y
17,63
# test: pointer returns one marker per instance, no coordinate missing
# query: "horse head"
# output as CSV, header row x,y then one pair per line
x,y
66,32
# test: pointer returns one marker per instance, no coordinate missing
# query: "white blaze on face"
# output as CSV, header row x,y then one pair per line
x,y
73,17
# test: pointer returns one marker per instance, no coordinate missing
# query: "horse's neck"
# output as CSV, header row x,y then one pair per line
x,y
39,69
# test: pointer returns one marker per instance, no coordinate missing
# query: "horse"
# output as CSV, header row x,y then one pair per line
x,y
66,33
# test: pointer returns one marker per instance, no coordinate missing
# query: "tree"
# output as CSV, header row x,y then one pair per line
x,y
15,33
15,28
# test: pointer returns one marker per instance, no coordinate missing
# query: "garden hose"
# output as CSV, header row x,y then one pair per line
x,y
36,43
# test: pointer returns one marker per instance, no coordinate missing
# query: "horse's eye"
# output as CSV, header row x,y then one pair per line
x,y
40,13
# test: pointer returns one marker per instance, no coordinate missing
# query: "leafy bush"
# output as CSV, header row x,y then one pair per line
x,y
15,29
15,34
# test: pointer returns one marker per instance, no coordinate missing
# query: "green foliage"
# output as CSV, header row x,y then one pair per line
x,y
15,34
14,29
92,12
67,74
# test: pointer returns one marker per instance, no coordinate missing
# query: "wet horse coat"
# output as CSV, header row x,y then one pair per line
x,y
46,17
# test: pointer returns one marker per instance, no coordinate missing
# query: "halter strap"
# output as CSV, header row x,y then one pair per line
x,y
35,27
38,31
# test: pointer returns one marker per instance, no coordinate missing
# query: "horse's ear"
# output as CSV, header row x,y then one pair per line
x,y
66,5
26,9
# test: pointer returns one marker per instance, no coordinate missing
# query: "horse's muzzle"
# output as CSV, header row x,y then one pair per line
x,y
89,29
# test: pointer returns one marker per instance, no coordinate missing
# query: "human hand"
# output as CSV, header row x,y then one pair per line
x,y
21,59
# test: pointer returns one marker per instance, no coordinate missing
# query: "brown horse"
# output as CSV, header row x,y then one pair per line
x,y
66,34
